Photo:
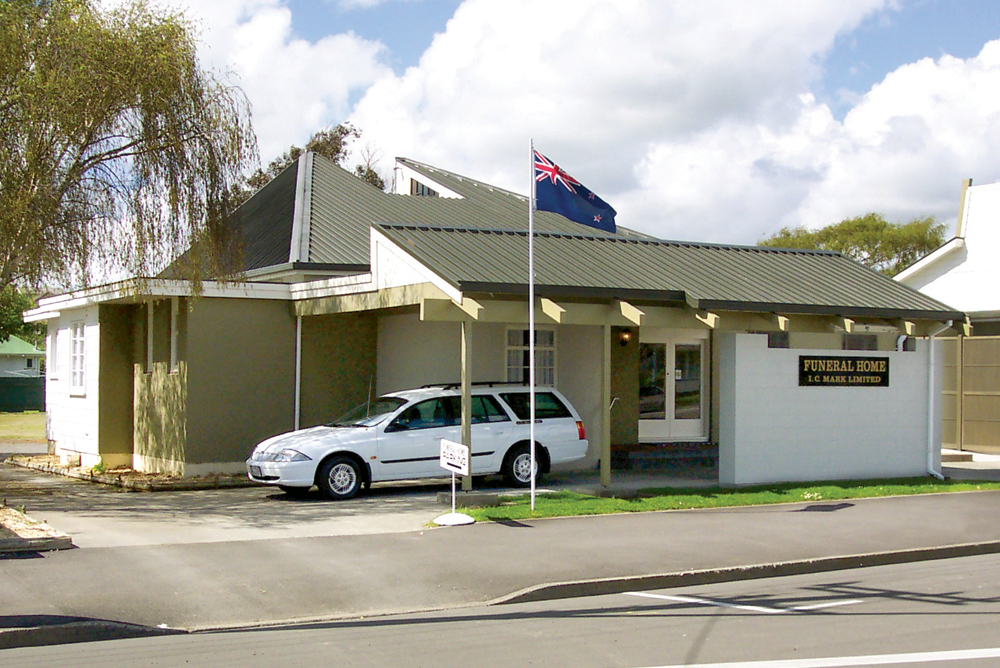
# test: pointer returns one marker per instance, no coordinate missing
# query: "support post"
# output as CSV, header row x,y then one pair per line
x,y
959,392
606,408
466,401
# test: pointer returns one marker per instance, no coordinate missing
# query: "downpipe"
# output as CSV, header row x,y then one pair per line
x,y
931,362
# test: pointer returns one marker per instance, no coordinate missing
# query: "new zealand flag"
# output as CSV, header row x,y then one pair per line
x,y
557,191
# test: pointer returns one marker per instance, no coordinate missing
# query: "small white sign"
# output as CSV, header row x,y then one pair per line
x,y
455,457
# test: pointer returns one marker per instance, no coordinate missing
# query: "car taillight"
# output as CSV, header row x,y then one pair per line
x,y
579,428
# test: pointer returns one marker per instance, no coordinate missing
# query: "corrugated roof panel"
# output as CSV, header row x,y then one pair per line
x,y
727,276
265,222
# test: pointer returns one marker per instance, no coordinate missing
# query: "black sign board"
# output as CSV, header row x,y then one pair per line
x,y
829,371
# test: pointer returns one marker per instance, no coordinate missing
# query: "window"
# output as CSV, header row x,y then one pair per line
x,y
518,360
77,359
420,190
424,415
547,405
777,339
30,363
860,342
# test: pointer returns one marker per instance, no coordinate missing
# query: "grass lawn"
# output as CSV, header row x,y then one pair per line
x,y
566,504
27,426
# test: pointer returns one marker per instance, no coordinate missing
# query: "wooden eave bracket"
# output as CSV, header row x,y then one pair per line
x,y
781,321
707,318
552,310
470,306
906,327
631,313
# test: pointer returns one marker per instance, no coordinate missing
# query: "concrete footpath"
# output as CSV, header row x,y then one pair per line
x,y
282,560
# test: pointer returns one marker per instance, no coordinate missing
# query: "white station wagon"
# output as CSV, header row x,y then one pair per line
x,y
398,437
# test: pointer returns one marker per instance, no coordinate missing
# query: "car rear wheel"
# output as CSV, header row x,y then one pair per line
x,y
340,478
517,466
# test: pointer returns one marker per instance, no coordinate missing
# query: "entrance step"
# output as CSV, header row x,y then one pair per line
x,y
660,456
955,456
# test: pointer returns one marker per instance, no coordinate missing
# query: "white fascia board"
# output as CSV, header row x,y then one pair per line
x,y
385,254
302,211
408,174
332,287
129,290
928,261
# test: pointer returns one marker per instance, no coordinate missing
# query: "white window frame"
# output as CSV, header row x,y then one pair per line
x,y
78,359
540,371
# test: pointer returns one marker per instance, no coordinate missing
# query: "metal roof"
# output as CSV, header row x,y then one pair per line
x,y
708,276
20,347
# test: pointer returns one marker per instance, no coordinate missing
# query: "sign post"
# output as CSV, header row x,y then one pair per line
x,y
455,457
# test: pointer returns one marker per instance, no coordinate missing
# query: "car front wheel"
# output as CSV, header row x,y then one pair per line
x,y
517,466
340,478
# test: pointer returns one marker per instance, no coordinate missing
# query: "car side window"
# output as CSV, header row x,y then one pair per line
x,y
547,405
424,415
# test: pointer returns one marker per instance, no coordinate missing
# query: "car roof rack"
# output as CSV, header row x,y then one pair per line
x,y
482,383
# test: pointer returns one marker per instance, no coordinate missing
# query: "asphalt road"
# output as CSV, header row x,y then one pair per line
x,y
937,613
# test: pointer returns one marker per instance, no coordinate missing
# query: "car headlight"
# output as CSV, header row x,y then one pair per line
x,y
287,455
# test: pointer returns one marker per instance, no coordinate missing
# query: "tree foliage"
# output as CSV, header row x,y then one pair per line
x,y
13,303
869,239
116,148
332,143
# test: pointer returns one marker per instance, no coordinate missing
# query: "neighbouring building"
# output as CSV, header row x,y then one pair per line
x,y
965,272
798,364
21,384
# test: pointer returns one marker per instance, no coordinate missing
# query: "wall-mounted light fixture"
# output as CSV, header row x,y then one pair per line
x,y
624,337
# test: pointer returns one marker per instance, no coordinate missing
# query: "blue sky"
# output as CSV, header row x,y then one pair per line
x,y
919,29
716,120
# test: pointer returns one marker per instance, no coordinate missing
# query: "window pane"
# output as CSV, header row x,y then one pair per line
x,y
652,381
687,382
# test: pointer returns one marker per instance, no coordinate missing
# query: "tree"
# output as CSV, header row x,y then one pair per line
x,y
116,148
331,143
869,239
13,303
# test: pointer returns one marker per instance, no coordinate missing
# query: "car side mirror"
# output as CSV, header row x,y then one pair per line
x,y
397,426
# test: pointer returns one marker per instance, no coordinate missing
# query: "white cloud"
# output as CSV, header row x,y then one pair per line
x,y
296,87
694,119
603,86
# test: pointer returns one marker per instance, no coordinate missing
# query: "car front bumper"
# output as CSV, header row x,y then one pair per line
x,y
291,474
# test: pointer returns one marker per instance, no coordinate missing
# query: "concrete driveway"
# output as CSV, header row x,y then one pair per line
x,y
100,516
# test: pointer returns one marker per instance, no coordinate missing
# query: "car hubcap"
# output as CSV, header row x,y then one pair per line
x,y
522,467
343,478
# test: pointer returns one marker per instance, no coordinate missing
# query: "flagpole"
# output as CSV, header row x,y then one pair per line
x,y
531,314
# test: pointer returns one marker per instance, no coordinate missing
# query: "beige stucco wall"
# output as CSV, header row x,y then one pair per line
x,y
625,387
412,353
115,385
338,365
240,376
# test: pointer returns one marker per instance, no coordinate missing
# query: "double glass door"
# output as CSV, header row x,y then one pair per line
x,y
672,389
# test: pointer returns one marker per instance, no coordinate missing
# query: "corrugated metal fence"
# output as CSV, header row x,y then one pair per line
x,y
22,394
971,417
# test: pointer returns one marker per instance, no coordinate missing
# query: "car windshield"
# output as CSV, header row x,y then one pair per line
x,y
370,413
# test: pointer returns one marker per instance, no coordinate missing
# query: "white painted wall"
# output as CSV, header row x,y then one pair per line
x,y
15,366
965,273
72,418
772,430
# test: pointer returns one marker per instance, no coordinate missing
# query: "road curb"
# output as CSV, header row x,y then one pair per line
x,y
64,631
600,587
